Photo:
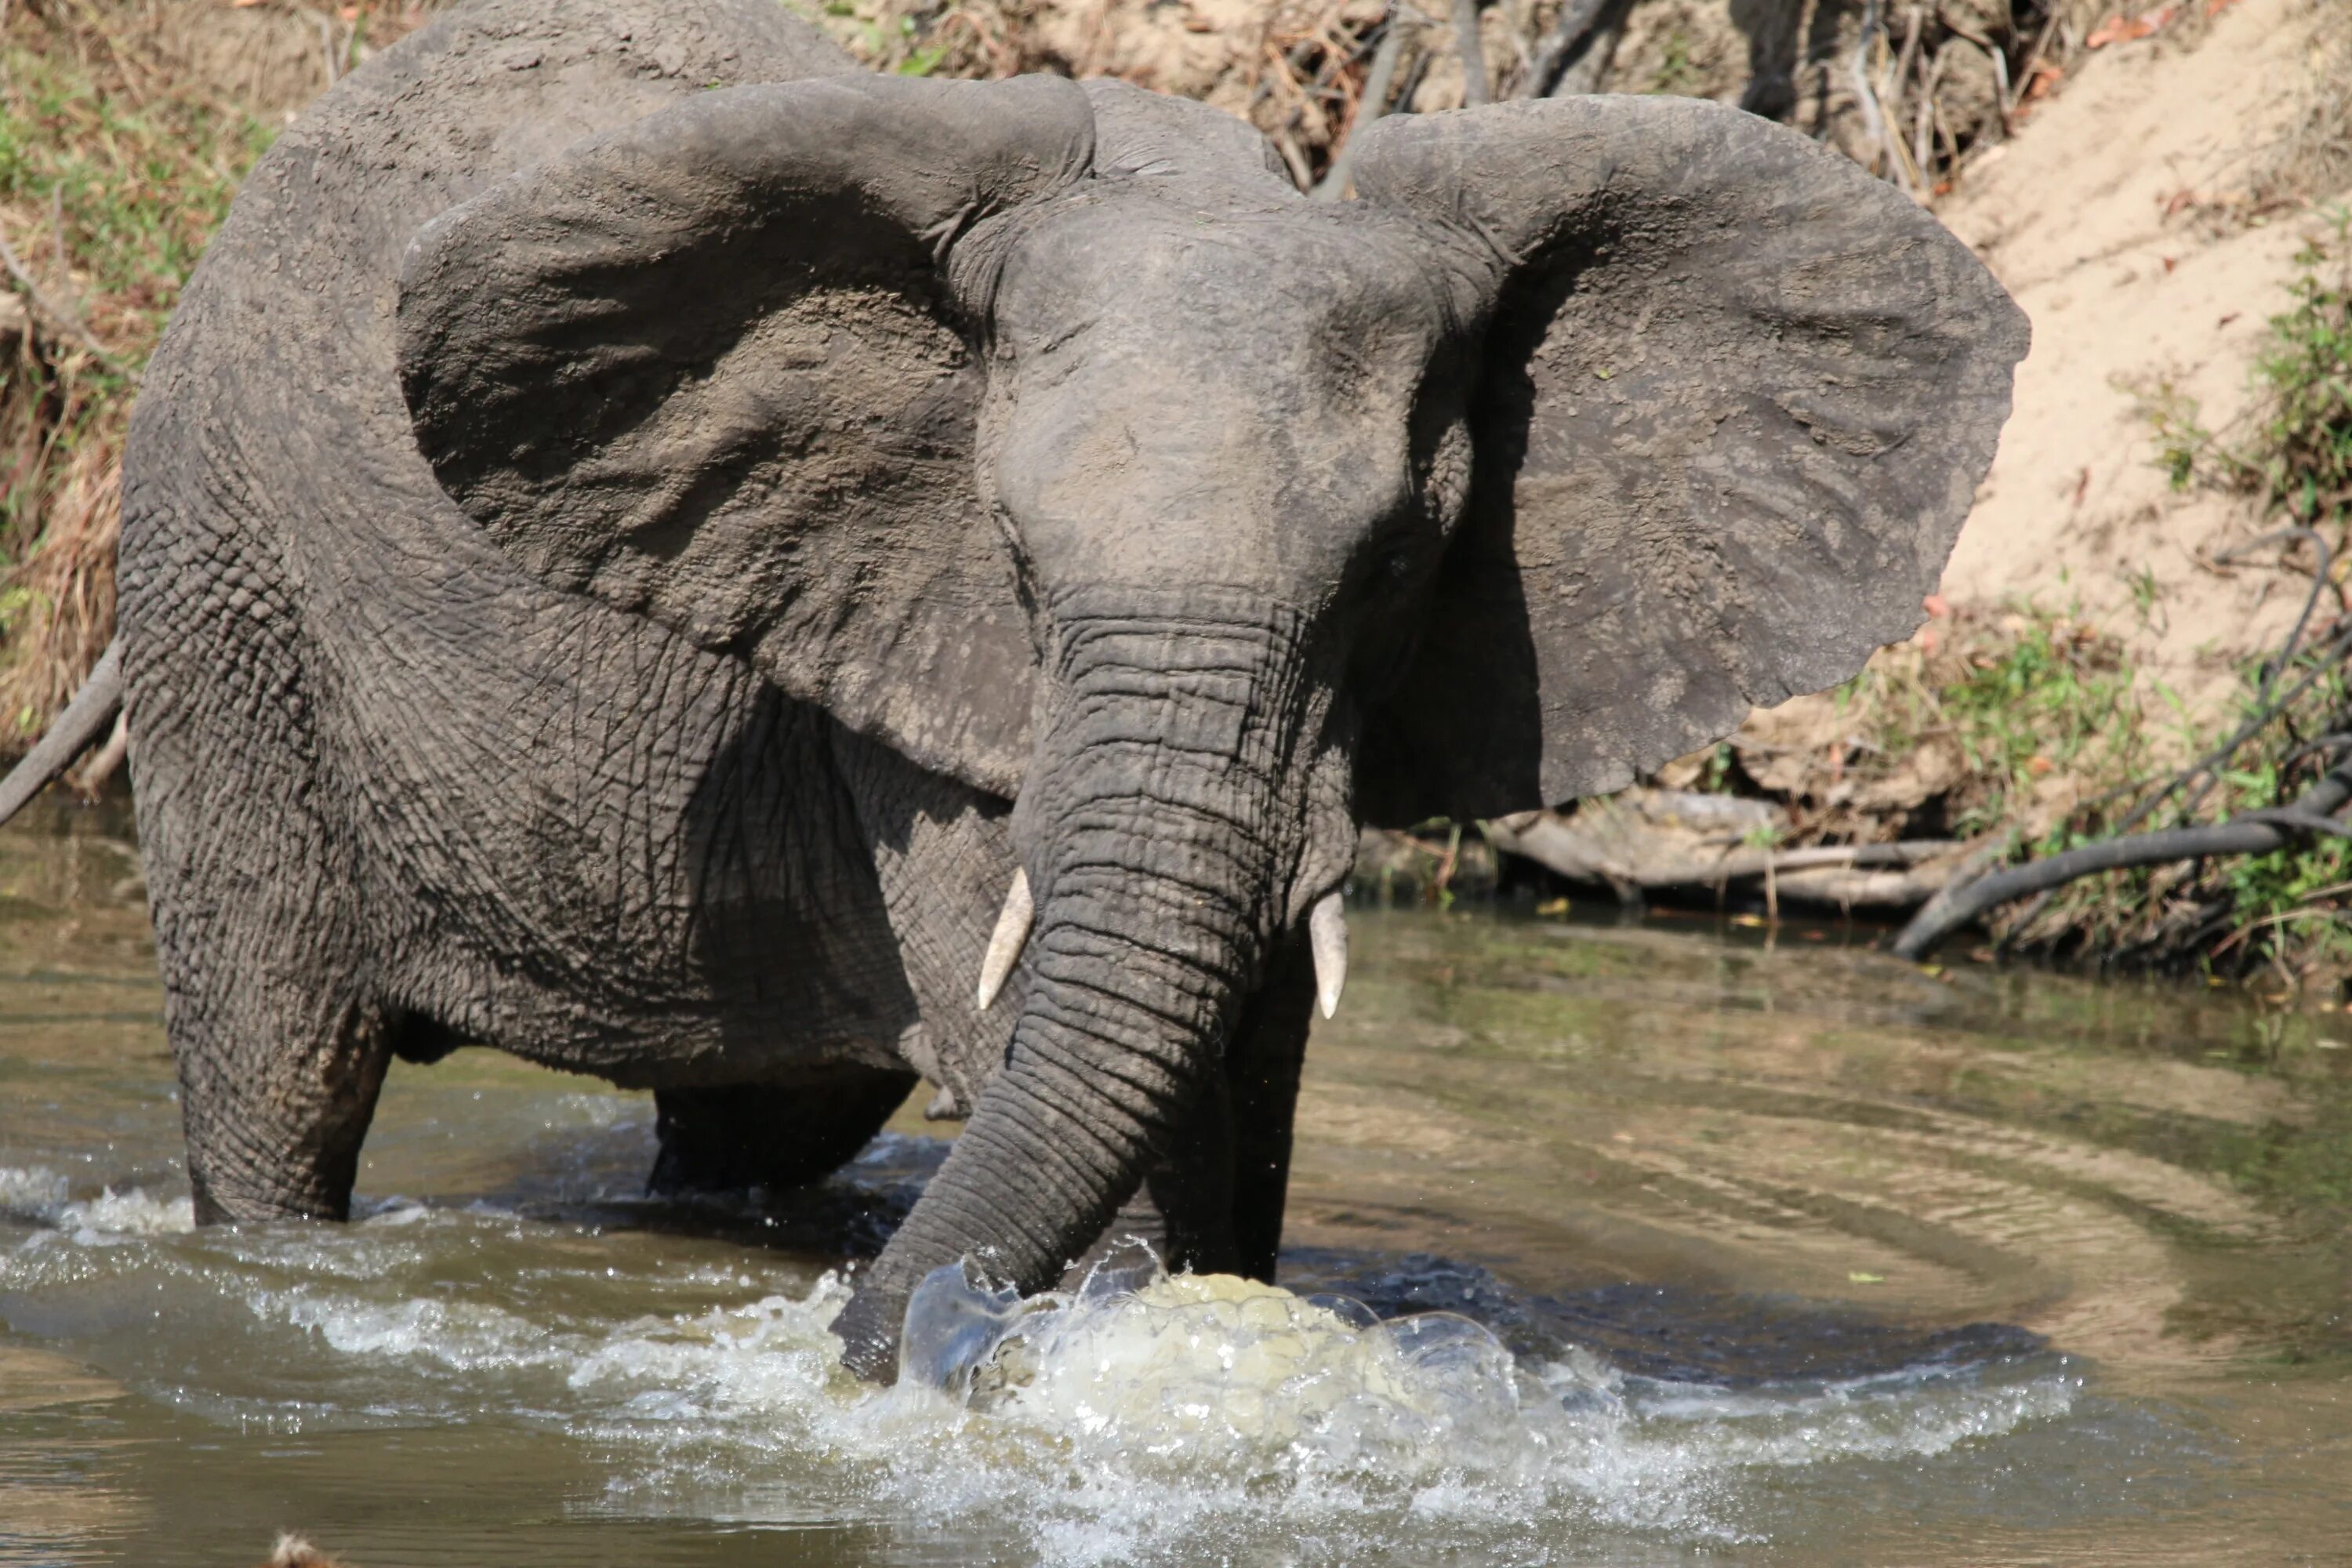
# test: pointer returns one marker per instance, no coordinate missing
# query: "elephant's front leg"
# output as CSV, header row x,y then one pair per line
x,y
1184,1208
1213,1204
279,1067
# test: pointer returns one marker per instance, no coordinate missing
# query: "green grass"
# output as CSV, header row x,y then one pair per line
x,y
131,186
2295,447
2302,445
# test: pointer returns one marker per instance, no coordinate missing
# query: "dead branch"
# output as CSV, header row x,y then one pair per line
x,y
59,314
1576,19
2249,833
1369,108
1630,849
1467,45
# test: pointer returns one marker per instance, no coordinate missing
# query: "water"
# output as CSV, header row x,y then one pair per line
x,y
1657,1244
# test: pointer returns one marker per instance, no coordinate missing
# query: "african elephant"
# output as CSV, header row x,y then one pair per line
x,y
649,550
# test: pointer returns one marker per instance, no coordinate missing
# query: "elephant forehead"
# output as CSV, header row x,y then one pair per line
x,y
1225,288
1117,477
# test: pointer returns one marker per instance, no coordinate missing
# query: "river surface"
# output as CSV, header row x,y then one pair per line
x,y
1783,1252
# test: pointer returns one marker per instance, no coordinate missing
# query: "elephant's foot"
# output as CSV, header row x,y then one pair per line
x,y
737,1136
275,1125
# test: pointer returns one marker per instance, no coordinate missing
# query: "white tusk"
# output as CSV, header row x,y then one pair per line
x,y
1004,943
1327,933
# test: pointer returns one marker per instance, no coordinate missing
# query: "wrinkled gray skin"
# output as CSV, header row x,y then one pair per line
x,y
622,572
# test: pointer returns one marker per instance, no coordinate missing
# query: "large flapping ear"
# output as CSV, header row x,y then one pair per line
x,y
708,368
1736,396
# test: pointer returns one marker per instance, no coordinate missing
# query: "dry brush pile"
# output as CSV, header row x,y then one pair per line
x,y
1910,88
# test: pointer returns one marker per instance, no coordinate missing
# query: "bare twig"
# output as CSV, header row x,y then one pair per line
x,y
1293,158
2001,93
1906,56
1411,86
1451,863
1521,53
2034,62
1576,19
2266,706
2319,576
1586,72
1369,108
58,246
64,319
1923,121
1858,72
1472,52
2238,936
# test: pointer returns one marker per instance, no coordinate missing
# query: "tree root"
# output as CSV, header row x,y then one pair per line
x,y
2249,833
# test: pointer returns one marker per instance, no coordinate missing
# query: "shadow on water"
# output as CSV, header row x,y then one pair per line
x,y
1793,1255
1663,1332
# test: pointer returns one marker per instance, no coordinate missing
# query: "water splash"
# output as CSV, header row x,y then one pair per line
x,y
1142,1418
40,1197
1187,1417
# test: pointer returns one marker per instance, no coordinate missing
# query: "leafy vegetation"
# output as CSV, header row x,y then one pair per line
x,y
2294,447
2292,450
1987,721
2303,447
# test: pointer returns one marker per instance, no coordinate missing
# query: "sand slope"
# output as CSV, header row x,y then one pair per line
x,y
2118,217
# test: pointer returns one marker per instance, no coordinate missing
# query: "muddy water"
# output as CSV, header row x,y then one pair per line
x,y
1770,1254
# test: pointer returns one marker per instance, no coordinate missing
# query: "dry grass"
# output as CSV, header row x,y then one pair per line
x,y
2314,158
125,126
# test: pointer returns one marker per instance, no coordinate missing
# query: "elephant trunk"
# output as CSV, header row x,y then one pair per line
x,y
1153,833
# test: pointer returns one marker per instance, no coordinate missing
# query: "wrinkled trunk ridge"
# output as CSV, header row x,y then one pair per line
x,y
1153,837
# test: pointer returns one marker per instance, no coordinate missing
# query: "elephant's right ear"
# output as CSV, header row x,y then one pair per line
x,y
1736,396
708,368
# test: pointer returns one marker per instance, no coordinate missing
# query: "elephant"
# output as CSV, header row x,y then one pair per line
x,y
648,548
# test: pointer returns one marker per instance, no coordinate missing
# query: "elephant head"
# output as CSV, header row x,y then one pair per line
x,y
1049,435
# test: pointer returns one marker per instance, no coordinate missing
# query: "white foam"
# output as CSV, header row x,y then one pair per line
x,y
1144,1419
461,1335
32,1193
115,1217
38,1196
1189,1418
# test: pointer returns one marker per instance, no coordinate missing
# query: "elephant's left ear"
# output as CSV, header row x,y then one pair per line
x,y
1736,396
711,368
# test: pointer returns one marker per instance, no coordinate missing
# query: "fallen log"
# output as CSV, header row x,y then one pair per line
x,y
1648,839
